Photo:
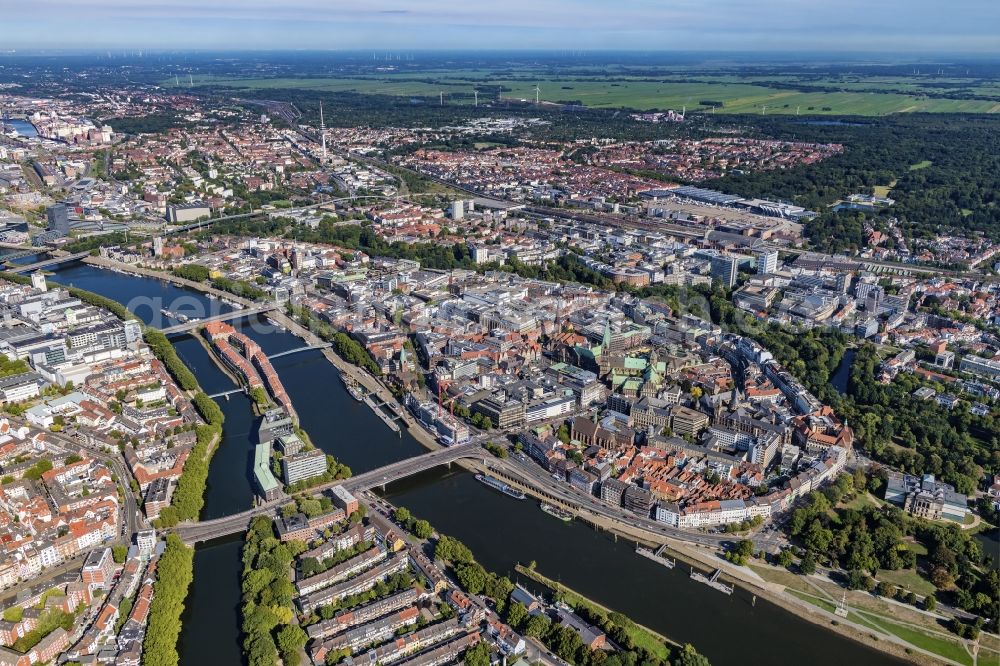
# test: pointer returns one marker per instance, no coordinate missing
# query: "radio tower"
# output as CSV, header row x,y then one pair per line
x,y
322,129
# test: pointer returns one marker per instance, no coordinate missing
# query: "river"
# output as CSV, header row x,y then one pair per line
x,y
501,531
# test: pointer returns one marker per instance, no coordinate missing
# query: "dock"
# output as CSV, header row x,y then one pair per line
x,y
712,581
382,415
657,556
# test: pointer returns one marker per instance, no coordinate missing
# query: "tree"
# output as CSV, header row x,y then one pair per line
x,y
930,602
860,580
422,529
786,557
537,626
119,552
402,515
478,655
808,564
688,656
516,614
291,638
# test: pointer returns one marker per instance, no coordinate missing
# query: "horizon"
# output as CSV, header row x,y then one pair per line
x,y
775,26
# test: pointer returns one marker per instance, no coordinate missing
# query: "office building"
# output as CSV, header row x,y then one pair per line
x,y
724,269
301,466
58,216
767,261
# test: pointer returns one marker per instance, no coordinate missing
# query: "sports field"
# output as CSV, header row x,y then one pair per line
x,y
865,97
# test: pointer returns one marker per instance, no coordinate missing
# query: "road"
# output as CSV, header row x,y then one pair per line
x,y
132,519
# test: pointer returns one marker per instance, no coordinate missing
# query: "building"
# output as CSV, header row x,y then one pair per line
x,y
58,216
767,261
725,268
187,212
267,486
98,569
925,497
687,421
302,466
976,365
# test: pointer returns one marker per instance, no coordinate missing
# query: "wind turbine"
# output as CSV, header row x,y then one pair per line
x,y
536,93
683,111
763,110
441,94
475,93
190,80
797,110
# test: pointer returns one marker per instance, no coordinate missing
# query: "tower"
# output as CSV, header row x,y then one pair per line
x,y
322,129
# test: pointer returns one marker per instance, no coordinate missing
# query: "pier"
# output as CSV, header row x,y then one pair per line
x,y
389,421
712,581
657,556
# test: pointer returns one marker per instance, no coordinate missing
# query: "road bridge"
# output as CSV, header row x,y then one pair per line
x,y
225,316
48,263
239,522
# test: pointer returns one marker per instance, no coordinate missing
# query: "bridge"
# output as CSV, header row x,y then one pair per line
x,y
47,263
298,350
239,522
225,316
14,256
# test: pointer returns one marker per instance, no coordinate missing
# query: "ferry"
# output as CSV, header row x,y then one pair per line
x,y
556,512
497,484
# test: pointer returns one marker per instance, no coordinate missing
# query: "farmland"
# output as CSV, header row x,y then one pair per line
x,y
865,96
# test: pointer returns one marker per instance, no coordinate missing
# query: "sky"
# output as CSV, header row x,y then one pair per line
x,y
910,26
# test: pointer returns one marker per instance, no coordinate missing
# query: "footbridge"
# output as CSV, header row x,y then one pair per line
x,y
239,522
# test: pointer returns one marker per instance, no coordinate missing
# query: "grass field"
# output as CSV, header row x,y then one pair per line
x,y
908,579
945,647
854,98
932,642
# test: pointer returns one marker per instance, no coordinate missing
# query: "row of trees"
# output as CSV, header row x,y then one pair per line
x,y
164,350
268,630
189,496
174,572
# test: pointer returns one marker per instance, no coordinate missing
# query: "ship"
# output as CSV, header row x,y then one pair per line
x,y
556,512
352,388
497,484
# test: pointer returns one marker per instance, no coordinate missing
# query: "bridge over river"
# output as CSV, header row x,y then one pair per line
x,y
239,522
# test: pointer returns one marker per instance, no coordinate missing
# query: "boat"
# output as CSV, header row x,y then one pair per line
x,y
497,484
352,388
556,512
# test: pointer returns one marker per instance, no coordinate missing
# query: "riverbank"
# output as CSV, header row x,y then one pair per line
x,y
371,383
643,637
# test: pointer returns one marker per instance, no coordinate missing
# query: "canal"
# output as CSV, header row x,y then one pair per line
x,y
501,531
842,375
